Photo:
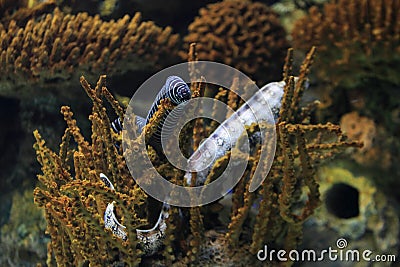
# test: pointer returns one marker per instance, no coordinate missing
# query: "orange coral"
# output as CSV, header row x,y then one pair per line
x,y
245,35
59,45
359,128
365,130
74,198
359,44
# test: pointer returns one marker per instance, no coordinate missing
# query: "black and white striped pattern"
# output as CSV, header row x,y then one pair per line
x,y
226,135
178,92
175,89
116,125
150,240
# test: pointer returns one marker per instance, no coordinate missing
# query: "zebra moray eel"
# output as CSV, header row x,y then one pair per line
x,y
174,89
228,132
178,92
252,111
150,240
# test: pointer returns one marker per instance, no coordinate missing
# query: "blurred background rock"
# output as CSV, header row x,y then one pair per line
x,y
45,46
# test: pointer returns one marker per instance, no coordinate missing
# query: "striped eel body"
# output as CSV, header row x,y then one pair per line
x,y
174,89
215,146
150,240
228,133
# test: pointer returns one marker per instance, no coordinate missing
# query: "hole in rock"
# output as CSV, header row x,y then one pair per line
x,y
342,200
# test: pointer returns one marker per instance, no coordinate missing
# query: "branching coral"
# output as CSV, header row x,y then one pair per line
x,y
75,199
57,46
243,34
359,44
302,146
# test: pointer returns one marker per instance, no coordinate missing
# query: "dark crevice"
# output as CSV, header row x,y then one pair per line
x,y
342,200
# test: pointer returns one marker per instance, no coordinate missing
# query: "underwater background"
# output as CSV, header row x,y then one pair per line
x,y
335,173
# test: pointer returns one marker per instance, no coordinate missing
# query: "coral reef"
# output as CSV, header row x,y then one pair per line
x,y
243,34
75,199
41,58
46,45
355,209
359,44
42,54
357,37
58,45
